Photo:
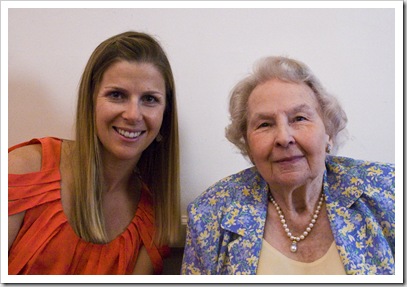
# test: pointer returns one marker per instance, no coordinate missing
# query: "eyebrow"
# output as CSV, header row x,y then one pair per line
x,y
124,90
300,108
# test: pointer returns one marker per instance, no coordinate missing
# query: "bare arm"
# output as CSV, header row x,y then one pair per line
x,y
144,266
22,160
14,224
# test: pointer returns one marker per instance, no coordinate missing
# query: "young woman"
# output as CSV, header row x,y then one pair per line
x,y
108,202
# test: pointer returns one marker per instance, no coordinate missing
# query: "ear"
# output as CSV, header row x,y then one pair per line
x,y
330,141
329,145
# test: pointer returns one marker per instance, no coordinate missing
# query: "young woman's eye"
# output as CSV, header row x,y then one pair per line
x,y
116,95
150,99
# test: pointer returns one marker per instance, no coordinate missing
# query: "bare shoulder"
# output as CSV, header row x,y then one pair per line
x,y
22,160
67,153
67,147
25,159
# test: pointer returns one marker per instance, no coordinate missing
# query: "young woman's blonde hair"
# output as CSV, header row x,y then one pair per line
x,y
159,163
290,70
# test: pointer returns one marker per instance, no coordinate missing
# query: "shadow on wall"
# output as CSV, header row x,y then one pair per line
x,y
27,121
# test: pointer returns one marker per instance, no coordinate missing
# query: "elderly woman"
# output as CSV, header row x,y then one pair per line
x,y
299,210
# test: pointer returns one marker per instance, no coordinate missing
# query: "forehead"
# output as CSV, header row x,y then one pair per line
x,y
130,68
276,95
132,75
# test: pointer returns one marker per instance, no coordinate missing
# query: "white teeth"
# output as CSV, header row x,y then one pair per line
x,y
127,134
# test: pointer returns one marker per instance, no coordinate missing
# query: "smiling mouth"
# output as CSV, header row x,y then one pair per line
x,y
127,134
288,159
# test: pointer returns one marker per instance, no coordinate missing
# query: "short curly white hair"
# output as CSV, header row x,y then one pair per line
x,y
290,70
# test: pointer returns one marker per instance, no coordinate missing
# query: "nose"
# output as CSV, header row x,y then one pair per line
x,y
131,112
284,135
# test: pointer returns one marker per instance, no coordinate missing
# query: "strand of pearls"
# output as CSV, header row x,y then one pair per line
x,y
296,239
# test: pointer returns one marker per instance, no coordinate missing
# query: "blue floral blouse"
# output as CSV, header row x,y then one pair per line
x,y
226,223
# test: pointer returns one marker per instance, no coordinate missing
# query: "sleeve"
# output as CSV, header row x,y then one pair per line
x,y
204,234
383,182
378,180
26,191
192,260
380,216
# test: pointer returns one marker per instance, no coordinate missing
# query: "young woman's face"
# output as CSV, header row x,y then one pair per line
x,y
285,134
130,105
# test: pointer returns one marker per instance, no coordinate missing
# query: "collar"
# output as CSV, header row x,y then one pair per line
x,y
248,208
341,182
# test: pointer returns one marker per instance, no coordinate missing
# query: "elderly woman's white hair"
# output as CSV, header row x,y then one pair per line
x,y
285,69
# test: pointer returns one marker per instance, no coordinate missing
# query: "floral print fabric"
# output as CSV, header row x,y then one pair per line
x,y
226,223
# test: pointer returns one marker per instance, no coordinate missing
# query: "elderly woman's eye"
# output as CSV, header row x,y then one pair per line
x,y
264,125
300,118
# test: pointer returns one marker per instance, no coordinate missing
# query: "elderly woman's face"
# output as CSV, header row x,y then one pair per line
x,y
285,134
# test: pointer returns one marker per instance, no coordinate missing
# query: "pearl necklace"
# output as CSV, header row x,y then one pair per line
x,y
296,239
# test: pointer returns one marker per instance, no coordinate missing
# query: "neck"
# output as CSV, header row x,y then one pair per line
x,y
118,174
298,200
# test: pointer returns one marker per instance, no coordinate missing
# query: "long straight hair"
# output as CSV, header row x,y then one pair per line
x,y
158,164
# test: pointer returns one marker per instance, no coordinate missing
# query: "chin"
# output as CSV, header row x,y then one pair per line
x,y
290,181
126,155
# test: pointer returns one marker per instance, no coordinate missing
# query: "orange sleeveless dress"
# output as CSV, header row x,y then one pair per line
x,y
47,244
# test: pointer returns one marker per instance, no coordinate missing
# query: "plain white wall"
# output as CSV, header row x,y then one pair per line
x,y
350,50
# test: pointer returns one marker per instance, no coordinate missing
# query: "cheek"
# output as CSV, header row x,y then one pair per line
x,y
155,119
102,111
259,148
316,144
100,117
